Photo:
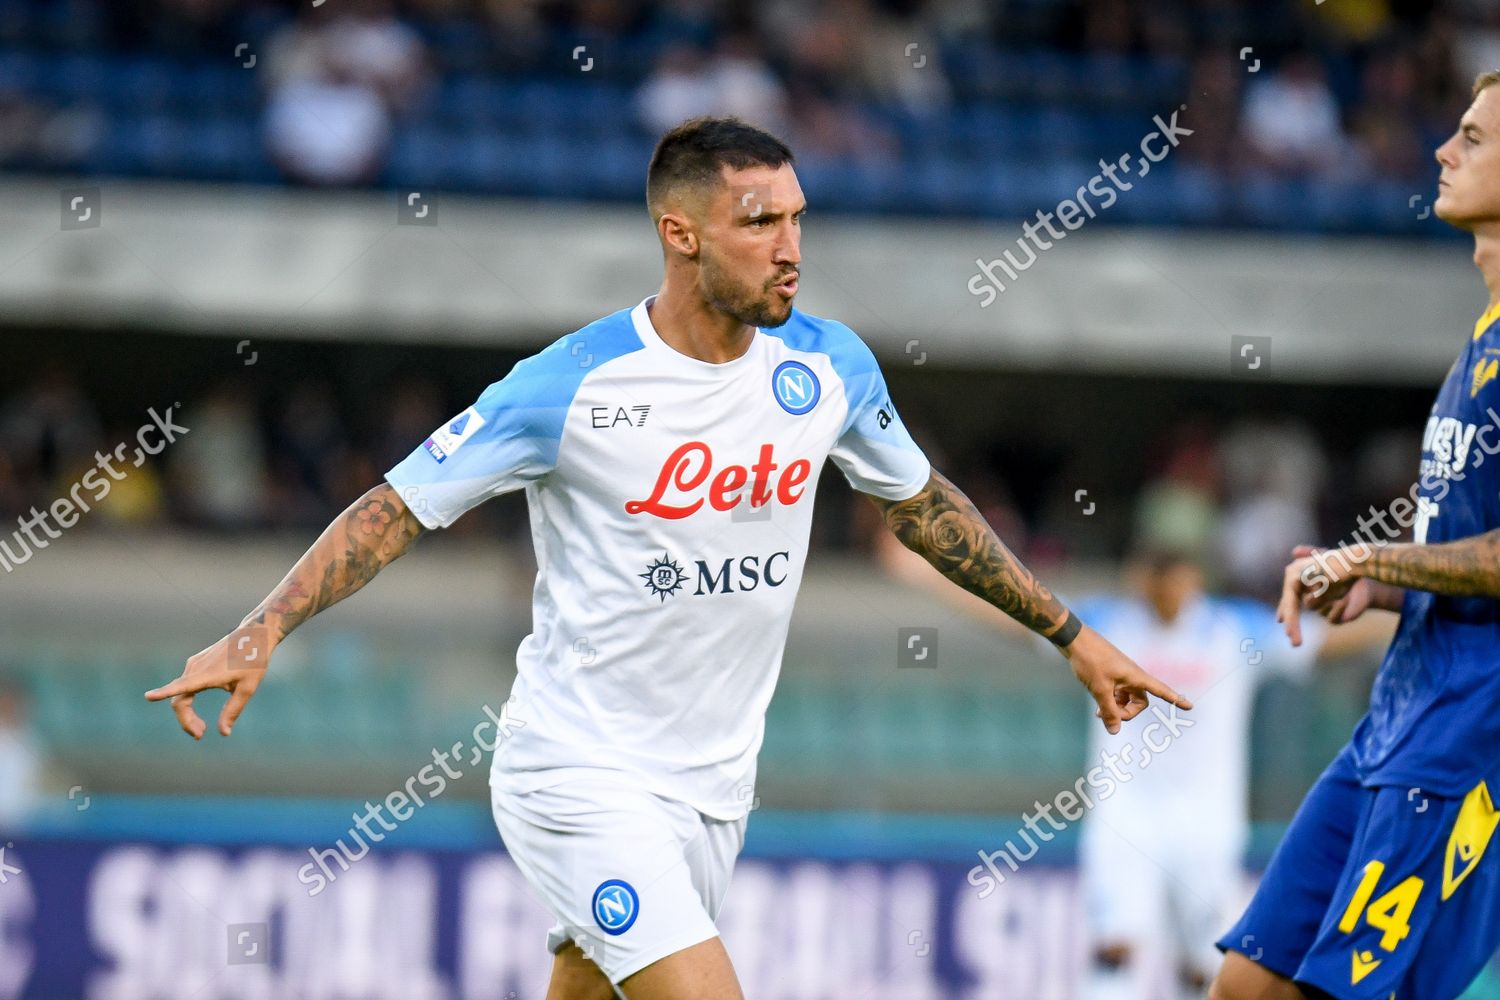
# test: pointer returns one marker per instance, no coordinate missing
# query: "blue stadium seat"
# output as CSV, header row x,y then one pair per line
x,y
230,89
73,78
223,149
20,71
421,155
147,84
468,102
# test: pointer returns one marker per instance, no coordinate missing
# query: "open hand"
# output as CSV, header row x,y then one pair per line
x,y
1119,687
236,663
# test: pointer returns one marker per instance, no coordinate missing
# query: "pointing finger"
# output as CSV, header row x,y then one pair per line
x,y
190,684
1163,691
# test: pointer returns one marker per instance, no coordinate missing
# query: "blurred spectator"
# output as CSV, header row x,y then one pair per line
x,y
415,410
48,430
1213,114
1479,46
21,121
377,50
20,761
308,439
337,82
824,128
745,85
220,468
1388,128
680,87
731,81
1359,21
1178,510
1274,474
328,129
898,59
137,500
1291,119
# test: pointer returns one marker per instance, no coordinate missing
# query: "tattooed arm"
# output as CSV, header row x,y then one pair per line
x,y
1467,567
1327,581
375,531
943,526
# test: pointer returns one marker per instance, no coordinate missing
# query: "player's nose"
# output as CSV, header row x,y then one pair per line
x,y
1444,153
788,249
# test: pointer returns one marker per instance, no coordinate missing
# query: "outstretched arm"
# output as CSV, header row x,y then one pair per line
x,y
945,527
375,531
1329,581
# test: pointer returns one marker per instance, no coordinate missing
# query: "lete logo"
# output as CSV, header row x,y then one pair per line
x,y
687,469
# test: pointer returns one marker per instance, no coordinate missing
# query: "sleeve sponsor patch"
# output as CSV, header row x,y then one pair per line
x,y
451,436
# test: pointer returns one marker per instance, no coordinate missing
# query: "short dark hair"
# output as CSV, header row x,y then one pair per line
x,y
694,154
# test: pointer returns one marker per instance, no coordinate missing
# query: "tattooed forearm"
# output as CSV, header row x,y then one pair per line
x,y
943,526
1469,567
375,531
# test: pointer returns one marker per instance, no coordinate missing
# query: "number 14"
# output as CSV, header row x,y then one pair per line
x,y
1391,913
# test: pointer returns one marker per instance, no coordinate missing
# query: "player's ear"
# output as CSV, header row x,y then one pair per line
x,y
677,234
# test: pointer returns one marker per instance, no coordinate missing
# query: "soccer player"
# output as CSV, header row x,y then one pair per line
x,y
1387,884
670,453
1162,848
1160,860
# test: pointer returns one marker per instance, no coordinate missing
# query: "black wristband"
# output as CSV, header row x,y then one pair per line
x,y
1067,633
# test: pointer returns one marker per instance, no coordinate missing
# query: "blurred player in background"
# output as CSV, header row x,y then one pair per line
x,y
1387,883
670,453
1161,860
1161,852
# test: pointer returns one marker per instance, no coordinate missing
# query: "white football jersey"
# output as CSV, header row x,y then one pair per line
x,y
670,503
1193,766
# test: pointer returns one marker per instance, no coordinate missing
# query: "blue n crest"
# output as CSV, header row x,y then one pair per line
x,y
795,387
615,906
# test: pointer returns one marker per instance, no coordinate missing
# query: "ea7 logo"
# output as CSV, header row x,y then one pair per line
x,y
633,416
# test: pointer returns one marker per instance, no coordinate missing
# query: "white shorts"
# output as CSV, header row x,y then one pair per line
x,y
1162,886
631,877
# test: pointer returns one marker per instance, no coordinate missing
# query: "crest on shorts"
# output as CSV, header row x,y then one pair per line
x,y
615,906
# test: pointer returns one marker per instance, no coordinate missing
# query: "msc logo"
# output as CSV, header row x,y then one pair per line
x,y
615,906
664,577
795,387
